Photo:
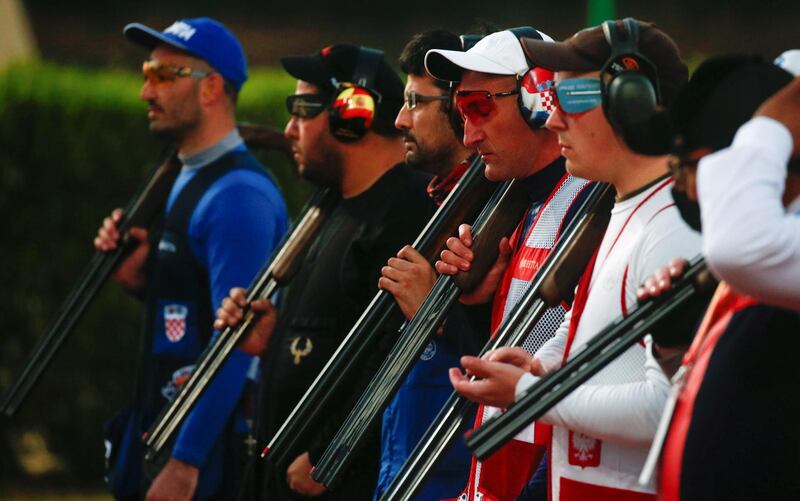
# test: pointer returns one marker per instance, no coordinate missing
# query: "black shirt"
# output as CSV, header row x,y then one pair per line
x,y
331,290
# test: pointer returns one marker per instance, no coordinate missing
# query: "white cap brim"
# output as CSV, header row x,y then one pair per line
x,y
450,64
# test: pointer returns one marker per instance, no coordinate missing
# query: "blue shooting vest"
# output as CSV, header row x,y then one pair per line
x,y
178,326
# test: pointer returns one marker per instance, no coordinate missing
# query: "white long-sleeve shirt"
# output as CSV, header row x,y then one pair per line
x,y
750,240
621,405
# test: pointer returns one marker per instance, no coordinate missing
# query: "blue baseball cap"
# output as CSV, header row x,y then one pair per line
x,y
203,37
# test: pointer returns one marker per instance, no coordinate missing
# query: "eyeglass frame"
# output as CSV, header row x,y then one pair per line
x,y
412,99
322,105
489,95
153,67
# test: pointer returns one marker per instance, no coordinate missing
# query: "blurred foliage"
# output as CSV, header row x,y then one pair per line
x,y
74,144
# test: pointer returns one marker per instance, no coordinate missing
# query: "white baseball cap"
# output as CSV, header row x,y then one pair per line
x,y
499,54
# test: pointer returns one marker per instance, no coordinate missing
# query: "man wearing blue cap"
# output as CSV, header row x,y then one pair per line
x,y
223,217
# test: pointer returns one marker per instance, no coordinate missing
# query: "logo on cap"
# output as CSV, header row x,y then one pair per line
x,y
630,63
181,30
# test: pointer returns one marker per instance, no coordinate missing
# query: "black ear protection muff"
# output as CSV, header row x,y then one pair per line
x,y
456,120
533,88
629,81
354,105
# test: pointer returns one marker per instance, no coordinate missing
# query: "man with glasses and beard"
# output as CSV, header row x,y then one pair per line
x,y
505,103
343,136
432,132
223,217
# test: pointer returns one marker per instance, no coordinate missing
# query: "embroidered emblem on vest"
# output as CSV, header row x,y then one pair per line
x,y
297,353
165,245
173,385
430,351
175,322
584,451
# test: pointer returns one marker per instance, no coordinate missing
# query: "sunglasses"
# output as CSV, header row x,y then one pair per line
x,y
156,72
578,95
411,99
478,105
306,105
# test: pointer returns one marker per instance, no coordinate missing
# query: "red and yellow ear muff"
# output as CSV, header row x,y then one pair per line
x,y
352,112
354,106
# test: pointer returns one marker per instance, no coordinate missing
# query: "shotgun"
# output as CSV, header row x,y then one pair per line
x,y
601,350
462,204
553,283
498,219
277,272
141,211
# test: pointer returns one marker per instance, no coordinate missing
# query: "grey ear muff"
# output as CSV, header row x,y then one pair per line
x,y
631,94
629,80
632,97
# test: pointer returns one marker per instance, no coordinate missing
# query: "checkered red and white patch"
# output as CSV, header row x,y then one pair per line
x,y
547,100
175,322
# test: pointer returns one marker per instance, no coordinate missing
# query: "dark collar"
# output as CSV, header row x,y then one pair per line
x,y
542,183
641,189
439,188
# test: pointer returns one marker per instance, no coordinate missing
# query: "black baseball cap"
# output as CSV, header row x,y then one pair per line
x,y
338,63
722,95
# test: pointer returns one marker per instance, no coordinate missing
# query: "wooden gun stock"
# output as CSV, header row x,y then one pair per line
x,y
488,232
262,137
567,268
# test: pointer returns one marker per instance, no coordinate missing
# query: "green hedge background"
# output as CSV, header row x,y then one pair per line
x,y
74,144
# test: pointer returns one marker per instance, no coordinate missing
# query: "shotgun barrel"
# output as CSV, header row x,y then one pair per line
x,y
498,219
140,212
462,204
603,349
277,272
553,283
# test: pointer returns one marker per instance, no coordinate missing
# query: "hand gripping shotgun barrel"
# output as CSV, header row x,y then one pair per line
x,y
600,351
462,204
553,283
277,272
140,212
498,219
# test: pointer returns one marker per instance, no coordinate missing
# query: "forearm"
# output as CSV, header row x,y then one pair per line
x,y
749,239
622,413
207,421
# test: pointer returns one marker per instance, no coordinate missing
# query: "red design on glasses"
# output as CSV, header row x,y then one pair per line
x,y
478,106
